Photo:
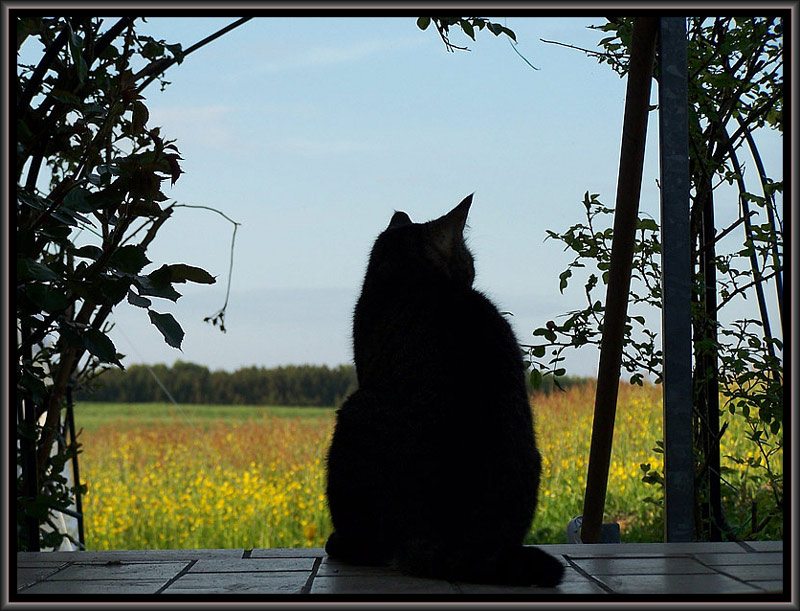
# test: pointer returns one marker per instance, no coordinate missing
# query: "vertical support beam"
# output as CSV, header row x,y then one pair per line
x,y
676,281
626,215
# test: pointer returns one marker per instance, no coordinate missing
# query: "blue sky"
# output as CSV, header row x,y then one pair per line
x,y
311,132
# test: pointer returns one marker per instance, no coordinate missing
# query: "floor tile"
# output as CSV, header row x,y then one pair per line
x,y
379,584
641,566
147,555
766,546
252,565
239,583
583,586
135,571
710,583
29,575
754,572
288,552
330,568
95,587
769,586
744,558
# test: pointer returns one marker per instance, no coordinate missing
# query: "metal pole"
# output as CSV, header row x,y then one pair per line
x,y
629,182
676,274
73,438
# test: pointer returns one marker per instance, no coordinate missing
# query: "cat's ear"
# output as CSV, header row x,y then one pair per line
x,y
448,230
457,217
399,219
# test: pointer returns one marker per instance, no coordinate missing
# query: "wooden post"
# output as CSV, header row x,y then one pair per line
x,y
629,181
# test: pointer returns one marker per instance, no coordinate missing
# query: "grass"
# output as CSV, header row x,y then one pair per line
x,y
245,477
93,415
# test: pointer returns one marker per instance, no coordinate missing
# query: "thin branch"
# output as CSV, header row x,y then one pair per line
x,y
41,69
443,30
220,314
155,69
762,306
741,289
587,51
770,216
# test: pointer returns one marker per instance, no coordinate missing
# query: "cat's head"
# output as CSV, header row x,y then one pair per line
x,y
409,252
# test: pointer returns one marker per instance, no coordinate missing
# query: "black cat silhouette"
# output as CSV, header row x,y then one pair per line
x,y
433,466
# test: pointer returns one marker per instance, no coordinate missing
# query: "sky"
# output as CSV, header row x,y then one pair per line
x,y
311,132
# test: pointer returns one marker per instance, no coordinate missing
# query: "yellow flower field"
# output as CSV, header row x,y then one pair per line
x,y
261,482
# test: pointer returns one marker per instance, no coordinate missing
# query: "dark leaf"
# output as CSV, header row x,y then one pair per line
x,y
564,279
101,346
468,29
169,328
136,300
46,297
146,286
28,269
180,272
423,22
113,288
140,117
648,224
161,277
536,378
77,200
129,259
89,252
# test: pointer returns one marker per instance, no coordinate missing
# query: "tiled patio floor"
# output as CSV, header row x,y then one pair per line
x,y
747,571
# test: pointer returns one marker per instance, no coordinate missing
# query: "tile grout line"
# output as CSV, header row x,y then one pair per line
x,y
588,576
306,589
721,572
744,546
182,572
46,577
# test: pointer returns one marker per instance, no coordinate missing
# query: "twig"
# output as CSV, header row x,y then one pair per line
x,y
220,314
587,51
155,69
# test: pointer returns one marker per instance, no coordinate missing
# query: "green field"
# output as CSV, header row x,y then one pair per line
x,y
91,415
215,476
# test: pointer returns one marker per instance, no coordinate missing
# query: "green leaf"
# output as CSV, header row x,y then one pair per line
x,y
536,378
180,272
564,279
129,259
647,224
76,200
160,277
101,346
140,117
136,300
468,29
423,22
89,252
146,286
28,269
46,297
169,328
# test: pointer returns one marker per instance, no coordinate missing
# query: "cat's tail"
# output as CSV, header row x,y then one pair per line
x,y
521,565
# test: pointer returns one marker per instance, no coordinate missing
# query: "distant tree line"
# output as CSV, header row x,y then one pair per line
x,y
296,385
